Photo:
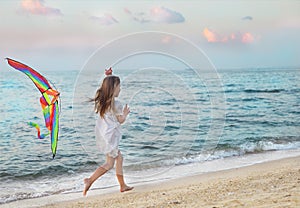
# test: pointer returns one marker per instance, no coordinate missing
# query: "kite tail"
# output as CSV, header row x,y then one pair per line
x,y
39,135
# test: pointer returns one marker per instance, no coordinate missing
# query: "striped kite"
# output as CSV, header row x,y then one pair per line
x,y
48,100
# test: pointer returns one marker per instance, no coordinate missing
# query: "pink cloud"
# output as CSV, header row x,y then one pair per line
x,y
210,35
247,38
156,14
37,7
106,19
213,37
232,36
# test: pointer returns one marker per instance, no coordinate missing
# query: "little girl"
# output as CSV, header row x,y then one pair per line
x,y
108,130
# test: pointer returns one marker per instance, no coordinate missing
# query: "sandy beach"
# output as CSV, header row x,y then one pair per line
x,y
269,184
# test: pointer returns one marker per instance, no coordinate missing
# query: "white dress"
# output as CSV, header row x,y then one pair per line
x,y
108,131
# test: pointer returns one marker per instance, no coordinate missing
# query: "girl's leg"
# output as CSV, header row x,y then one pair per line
x,y
109,164
119,173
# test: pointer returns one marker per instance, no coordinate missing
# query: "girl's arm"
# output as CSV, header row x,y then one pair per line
x,y
122,118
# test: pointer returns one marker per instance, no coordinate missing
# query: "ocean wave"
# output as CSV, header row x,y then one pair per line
x,y
273,143
255,121
19,196
149,147
253,99
143,118
169,127
292,91
55,170
264,91
232,91
251,145
7,198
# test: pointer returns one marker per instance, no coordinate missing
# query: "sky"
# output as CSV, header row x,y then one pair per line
x,y
62,35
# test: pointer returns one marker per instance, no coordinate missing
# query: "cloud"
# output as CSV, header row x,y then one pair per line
x,y
210,35
162,14
213,37
37,7
140,17
106,19
157,14
247,18
247,38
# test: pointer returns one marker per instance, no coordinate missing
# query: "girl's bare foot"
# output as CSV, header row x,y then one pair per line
x,y
87,185
126,188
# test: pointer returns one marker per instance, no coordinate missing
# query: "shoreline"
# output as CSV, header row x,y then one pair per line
x,y
273,183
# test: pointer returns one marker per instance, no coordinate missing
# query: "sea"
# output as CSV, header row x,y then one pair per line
x,y
182,122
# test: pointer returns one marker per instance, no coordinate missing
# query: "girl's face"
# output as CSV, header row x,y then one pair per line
x,y
117,90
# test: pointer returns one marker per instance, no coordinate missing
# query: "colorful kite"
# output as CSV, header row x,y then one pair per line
x,y
48,100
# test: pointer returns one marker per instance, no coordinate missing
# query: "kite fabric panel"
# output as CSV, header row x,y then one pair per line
x,y
48,100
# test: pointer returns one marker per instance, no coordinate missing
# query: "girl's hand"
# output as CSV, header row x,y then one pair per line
x,y
126,110
122,118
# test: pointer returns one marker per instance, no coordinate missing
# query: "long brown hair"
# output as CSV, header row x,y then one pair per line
x,y
104,98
